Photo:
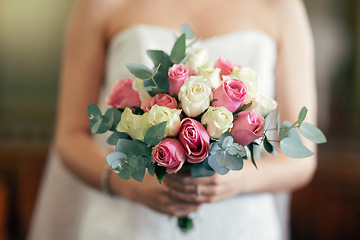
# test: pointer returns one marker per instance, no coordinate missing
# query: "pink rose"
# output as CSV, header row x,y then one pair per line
x,y
161,99
231,94
225,66
195,139
123,95
169,153
178,74
248,126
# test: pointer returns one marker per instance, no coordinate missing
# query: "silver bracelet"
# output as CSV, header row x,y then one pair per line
x,y
105,181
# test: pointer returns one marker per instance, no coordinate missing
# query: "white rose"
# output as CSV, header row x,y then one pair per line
x,y
138,85
158,114
134,125
217,121
263,105
247,76
212,74
195,95
198,57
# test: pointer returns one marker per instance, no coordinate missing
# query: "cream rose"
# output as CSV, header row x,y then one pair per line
x,y
262,104
134,125
247,76
212,74
217,120
138,85
158,114
195,96
197,58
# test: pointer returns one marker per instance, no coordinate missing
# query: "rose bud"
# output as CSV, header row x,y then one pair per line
x,y
231,94
169,153
123,95
248,126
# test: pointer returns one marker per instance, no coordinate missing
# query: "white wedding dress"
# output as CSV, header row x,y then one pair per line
x,y
68,209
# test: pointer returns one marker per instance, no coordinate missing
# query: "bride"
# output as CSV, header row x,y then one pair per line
x,y
271,36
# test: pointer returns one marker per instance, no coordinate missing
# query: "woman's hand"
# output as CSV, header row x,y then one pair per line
x,y
203,189
154,195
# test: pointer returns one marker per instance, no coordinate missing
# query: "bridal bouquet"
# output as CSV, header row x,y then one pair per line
x,y
189,111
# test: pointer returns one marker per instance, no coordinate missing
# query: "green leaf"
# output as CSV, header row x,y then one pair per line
x,y
160,58
312,133
161,80
186,29
127,146
201,169
293,147
94,112
251,149
160,173
112,140
140,71
178,51
302,115
213,164
243,108
236,164
267,145
155,134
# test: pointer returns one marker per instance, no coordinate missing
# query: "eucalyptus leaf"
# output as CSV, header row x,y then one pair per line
x,y
213,164
213,148
140,71
94,112
160,58
185,28
312,133
139,175
99,125
124,173
302,116
293,147
236,164
114,137
133,164
223,158
114,116
227,142
127,146
278,124
222,138
201,169
155,134
144,150
115,160
178,51
151,169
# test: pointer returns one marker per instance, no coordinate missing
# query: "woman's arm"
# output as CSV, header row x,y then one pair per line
x,y
82,74
295,88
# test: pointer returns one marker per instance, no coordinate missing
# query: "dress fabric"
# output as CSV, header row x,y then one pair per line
x,y
69,209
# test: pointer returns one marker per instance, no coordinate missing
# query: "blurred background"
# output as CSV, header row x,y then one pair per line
x,y
31,38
